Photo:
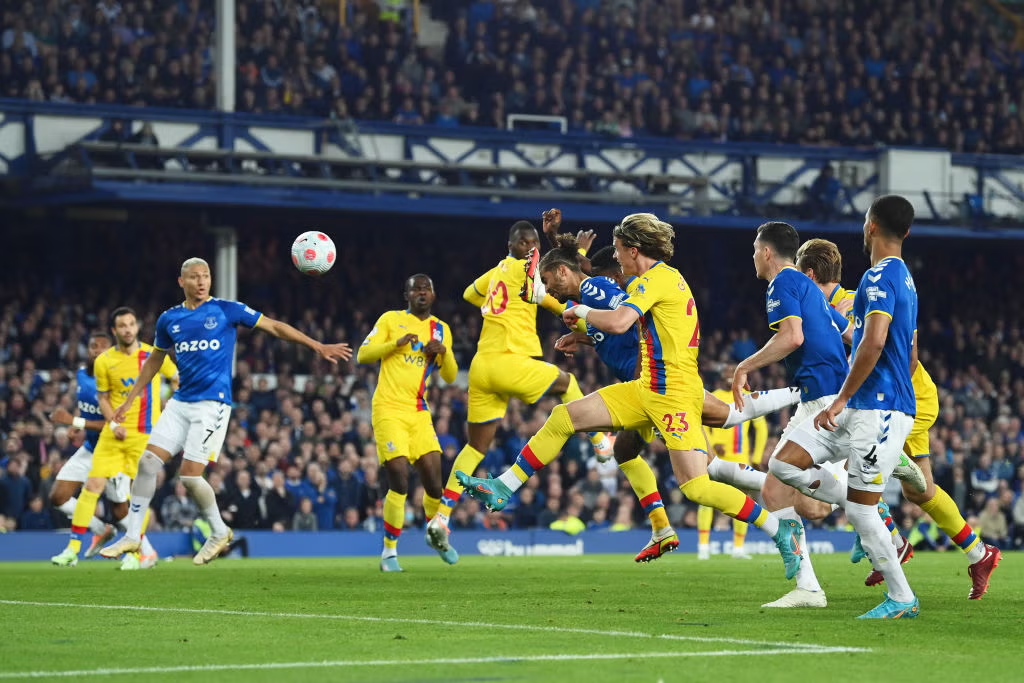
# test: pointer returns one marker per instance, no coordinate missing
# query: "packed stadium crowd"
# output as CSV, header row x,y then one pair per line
x,y
300,452
937,73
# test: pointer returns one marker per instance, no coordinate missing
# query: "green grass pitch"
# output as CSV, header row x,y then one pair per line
x,y
593,618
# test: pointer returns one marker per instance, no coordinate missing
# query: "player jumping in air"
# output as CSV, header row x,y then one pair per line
x,y
822,262
505,366
668,394
560,274
410,345
201,331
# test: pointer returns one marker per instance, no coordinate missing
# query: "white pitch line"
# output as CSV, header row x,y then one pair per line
x,y
439,622
409,662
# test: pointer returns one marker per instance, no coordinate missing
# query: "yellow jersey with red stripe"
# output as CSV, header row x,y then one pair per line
x,y
116,372
405,370
669,330
735,443
510,324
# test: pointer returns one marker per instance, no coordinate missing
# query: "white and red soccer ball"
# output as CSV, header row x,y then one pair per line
x,y
313,253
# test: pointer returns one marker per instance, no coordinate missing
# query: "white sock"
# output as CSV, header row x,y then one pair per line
x,y
509,479
97,526
143,489
389,552
814,482
877,542
736,474
205,497
761,403
805,576
771,525
147,547
976,553
121,525
68,506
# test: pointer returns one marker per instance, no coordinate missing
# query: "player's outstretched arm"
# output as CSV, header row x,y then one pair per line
x,y
784,342
146,374
282,330
615,321
61,416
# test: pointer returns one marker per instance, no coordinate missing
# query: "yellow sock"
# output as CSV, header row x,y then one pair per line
x,y
731,501
394,518
430,506
85,508
705,518
545,444
572,393
466,461
739,534
941,508
645,486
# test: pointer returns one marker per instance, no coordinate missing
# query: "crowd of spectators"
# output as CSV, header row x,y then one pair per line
x,y
937,73
300,452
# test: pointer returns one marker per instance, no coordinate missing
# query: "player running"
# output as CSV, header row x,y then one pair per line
x,y
668,394
880,398
402,425
127,429
560,273
821,261
202,333
75,471
505,366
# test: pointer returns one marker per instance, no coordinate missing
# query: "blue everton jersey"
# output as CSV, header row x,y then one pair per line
x,y
887,289
618,351
203,341
819,366
88,405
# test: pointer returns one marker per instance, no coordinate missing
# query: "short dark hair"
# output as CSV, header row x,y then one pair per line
x,y
893,214
118,312
782,237
603,261
97,334
520,226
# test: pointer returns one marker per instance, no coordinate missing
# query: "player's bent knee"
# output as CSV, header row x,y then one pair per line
x,y
784,471
161,453
150,464
793,454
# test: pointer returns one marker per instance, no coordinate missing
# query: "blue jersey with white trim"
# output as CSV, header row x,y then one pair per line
x,y
617,351
203,340
887,289
88,405
819,365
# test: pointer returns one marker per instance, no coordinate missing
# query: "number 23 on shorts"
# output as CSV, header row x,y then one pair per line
x,y
675,423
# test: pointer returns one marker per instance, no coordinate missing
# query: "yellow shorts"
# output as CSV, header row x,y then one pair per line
x,y
401,432
494,378
112,457
917,444
677,417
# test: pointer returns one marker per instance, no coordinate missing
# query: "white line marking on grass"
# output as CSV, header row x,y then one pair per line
x,y
408,662
442,622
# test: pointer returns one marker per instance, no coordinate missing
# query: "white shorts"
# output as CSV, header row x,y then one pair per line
x,y
77,469
871,440
198,429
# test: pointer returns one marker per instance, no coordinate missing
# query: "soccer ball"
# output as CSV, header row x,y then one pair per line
x,y
313,253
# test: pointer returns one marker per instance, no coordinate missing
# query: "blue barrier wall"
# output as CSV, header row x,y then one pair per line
x,y
39,546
